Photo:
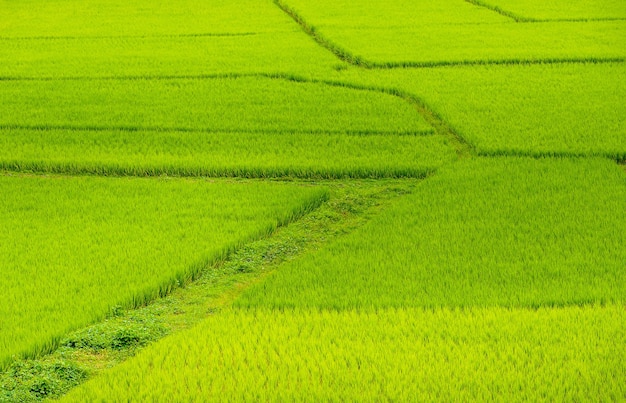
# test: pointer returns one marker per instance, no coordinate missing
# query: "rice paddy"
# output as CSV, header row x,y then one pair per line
x,y
451,32
314,201
73,248
399,354
533,110
510,232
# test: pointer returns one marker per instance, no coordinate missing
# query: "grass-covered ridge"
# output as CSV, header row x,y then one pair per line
x,y
72,248
397,355
487,232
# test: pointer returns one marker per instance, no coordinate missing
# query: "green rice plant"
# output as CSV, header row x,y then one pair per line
x,y
571,109
305,155
512,232
481,354
72,248
432,32
234,104
584,10
72,18
97,38
287,52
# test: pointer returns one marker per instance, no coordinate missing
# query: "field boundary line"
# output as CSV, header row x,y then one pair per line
x,y
243,172
498,62
505,13
580,19
345,209
618,157
359,61
522,19
462,147
321,40
88,37
96,128
369,66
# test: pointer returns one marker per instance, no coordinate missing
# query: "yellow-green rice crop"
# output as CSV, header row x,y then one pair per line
x,y
223,154
486,354
73,247
147,38
541,10
502,231
71,18
287,52
434,32
575,109
236,104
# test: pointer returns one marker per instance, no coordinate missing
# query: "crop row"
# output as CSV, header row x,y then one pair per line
x,y
72,248
284,52
538,10
434,32
510,232
526,109
139,18
256,104
222,154
569,354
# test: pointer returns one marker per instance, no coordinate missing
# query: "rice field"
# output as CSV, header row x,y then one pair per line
x,y
509,232
536,10
435,33
533,110
565,354
72,248
232,154
314,201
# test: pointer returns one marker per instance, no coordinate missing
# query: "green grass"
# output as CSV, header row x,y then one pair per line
x,y
496,277
528,110
54,18
406,33
223,154
287,52
569,354
562,9
236,104
73,247
145,38
509,232
91,350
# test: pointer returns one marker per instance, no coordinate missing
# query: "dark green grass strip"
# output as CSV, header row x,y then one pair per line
x,y
112,170
310,30
208,130
519,18
620,158
496,9
509,62
196,35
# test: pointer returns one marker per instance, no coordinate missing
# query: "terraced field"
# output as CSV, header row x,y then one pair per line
x,y
259,200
